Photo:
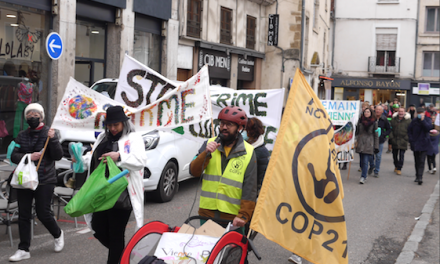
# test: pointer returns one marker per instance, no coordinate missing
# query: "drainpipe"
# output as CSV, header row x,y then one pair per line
x,y
417,38
303,23
334,33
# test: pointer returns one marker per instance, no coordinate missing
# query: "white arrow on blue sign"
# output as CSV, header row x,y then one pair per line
x,y
54,46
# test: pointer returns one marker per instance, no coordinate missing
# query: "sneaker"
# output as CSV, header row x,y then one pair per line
x,y
59,242
295,259
416,180
360,169
362,180
388,151
398,172
376,174
20,255
370,170
434,170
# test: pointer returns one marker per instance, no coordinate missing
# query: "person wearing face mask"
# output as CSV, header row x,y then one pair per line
x,y
418,135
228,165
32,141
127,149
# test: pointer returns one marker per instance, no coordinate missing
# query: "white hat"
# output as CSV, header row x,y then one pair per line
x,y
34,107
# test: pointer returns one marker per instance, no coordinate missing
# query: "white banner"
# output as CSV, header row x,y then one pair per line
x,y
346,115
83,108
266,105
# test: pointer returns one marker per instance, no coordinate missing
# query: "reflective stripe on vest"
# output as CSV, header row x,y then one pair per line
x,y
223,192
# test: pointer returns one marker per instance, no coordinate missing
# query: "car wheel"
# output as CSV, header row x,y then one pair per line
x,y
167,187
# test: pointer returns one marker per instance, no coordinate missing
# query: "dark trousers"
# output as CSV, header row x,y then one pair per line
x,y
109,227
398,157
419,158
431,161
43,197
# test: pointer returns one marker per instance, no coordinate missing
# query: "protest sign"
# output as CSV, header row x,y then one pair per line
x,y
266,105
85,109
345,115
300,203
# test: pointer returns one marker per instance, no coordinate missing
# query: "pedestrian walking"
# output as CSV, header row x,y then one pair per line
x,y
32,141
412,111
434,136
229,169
418,134
384,131
365,105
126,149
399,138
393,110
367,141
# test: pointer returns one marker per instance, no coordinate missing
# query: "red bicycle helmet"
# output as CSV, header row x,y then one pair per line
x,y
233,114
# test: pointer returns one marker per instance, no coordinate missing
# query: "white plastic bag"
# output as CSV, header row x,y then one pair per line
x,y
25,175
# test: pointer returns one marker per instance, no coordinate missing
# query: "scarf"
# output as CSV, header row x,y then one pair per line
x,y
367,122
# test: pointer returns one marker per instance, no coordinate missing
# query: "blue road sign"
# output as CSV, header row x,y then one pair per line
x,y
54,46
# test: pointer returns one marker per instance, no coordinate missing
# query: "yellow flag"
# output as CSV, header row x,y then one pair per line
x,y
300,203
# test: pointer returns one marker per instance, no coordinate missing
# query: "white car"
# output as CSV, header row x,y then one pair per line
x,y
169,154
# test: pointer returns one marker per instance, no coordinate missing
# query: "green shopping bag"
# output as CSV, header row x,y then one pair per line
x,y
97,194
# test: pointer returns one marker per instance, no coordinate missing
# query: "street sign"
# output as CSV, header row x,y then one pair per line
x,y
54,46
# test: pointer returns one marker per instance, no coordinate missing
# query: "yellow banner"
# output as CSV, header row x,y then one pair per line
x,y
300,203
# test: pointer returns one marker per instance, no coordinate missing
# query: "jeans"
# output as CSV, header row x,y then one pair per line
x,y
378,157
431,162
398,157
43,197
109,227
365,158
370,161
419,158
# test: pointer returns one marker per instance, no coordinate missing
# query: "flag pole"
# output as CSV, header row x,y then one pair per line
x,y
349,167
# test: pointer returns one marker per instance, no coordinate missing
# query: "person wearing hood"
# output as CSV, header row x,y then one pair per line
x,y
32,141
368,141
434,136
399,138
418,134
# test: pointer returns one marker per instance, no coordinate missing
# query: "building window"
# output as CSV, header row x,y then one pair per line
x,y
226,26
316,14
431,64
146,49
250,32
194,25
432,19
386,60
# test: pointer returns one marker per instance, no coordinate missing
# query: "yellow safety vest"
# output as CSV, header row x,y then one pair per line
x,y
222,192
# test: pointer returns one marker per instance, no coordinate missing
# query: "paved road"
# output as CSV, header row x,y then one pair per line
x,y
380,217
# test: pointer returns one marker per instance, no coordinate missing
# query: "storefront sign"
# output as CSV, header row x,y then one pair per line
x,y
372,83
432,91
219,63
245,68
272,34
423,88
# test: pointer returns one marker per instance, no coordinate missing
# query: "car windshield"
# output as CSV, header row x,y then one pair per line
x,y
106,88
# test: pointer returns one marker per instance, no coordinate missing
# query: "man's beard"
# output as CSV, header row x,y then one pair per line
x,y
228,139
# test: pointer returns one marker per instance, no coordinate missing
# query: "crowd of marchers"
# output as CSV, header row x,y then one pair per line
x,y
413,128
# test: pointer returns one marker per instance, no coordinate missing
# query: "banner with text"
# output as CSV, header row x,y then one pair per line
x,y
85,109
346,115
300,203
266,105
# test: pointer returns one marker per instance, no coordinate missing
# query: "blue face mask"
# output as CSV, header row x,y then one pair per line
x,y
244,135
419,116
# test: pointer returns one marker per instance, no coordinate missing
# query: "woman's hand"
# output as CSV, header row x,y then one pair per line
x,y
73,159
35,156
51,133
113,155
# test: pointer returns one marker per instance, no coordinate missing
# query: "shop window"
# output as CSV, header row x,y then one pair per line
x,y
146,49
23,67
226,26
194,18
431,64
432,19
251,25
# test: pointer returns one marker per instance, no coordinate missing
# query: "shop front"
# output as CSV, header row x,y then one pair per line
x,y
375,91
425,93
219,66
24,63
245,72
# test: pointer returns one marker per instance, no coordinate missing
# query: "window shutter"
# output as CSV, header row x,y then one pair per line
x,y
386,41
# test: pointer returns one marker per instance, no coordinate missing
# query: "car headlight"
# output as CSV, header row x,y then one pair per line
x,y
151,140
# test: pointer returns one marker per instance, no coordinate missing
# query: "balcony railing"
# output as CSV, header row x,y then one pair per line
x,y
390,66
